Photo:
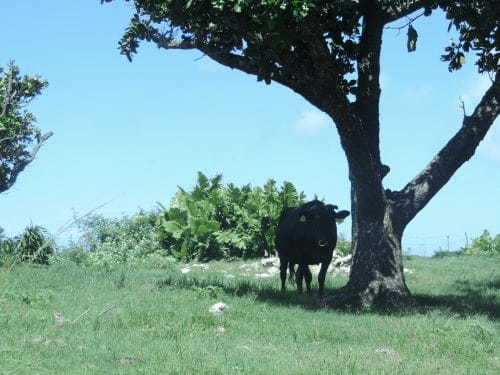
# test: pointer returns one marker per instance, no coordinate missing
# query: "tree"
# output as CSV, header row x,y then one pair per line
x,y
17,130
329,52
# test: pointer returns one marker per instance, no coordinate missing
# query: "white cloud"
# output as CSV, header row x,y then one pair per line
x,y
312,121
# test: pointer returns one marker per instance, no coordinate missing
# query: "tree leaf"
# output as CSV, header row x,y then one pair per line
x,y
173,228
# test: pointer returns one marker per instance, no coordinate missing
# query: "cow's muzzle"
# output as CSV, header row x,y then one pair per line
x,y
322,243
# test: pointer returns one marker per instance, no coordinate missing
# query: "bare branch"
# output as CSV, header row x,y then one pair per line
x,y
40,143
459,149
199,58
399,28
462,105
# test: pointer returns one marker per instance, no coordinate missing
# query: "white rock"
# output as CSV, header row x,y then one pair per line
x,y
254,266
185,270
203,266
407,270
217,308
273,270
261,275
270,262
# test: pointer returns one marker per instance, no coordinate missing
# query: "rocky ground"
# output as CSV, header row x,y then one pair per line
x,y
268,267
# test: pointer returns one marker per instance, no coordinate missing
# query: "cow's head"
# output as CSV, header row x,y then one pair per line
x,y
319,222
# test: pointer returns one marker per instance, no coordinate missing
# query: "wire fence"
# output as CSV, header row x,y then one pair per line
x,y
428,245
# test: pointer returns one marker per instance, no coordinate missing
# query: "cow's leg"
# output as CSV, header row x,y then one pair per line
x,y
299,275
308,277
291,268
283,267
322,276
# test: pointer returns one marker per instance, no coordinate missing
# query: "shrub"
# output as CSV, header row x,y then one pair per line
x,y
7,251
343,246
212,221
114,241
33,245
484,245
75,254
215,221
445,253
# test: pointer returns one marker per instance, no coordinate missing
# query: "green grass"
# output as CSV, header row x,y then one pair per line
x,y
68,319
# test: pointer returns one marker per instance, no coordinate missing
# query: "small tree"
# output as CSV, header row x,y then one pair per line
x,y
20,139
329,52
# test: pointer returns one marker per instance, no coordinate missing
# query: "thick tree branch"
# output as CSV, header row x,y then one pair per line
x,y
365,170
368,66
459,149
285,75
359,127
7,181
223,57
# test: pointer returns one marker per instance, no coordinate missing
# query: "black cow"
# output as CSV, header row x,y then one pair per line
x,y
307,235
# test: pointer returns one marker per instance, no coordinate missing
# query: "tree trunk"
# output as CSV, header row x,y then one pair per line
x,y
377,269
380,216
377,226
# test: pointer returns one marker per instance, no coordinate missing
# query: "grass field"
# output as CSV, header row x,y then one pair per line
x,y
68,319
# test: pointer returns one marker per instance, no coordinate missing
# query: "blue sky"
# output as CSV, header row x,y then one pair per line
x,y
127,134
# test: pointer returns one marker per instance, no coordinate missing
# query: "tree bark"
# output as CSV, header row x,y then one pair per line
x,y
377,271
376,275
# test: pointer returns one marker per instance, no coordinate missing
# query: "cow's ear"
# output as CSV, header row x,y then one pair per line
x,y
342,214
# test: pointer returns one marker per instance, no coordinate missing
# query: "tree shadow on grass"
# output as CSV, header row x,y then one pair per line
x,y
265,292
470,298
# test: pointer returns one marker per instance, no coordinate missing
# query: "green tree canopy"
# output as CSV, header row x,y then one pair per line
x,y
20,139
